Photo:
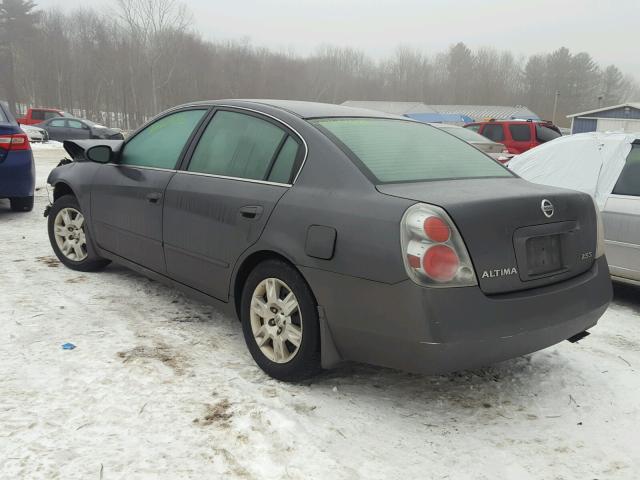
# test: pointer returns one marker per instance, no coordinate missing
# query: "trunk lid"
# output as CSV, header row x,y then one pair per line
x,y
513,245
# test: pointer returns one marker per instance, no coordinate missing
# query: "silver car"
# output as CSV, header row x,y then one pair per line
x,y
495,150
621,218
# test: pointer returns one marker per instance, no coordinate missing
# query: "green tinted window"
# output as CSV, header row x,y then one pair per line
x,y
160,144
236,145
281,171
401,151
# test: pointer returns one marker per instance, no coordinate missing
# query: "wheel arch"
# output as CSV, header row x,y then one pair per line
x,y
62,188
248,264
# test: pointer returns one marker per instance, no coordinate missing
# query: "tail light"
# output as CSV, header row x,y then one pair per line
x,y
433,250
19,141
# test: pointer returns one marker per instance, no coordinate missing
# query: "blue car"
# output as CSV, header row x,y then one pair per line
x,y
17,170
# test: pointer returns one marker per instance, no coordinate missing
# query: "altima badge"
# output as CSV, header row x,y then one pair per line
x,y
547,208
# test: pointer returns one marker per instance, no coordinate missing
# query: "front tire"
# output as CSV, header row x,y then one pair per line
x,y
21,204
69,236
280,322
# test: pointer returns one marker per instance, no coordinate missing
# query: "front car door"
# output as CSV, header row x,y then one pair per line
x,y
57,129
218,205
621,218
127,196
521,139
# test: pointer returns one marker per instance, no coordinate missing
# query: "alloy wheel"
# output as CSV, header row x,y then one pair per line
x,y
68,230
276,320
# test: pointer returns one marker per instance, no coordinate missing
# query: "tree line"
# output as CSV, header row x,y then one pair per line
x,y
123,67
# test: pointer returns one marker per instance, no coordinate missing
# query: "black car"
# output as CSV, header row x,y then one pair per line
x,y
337,233
66,128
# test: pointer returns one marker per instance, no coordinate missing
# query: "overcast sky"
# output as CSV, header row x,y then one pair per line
x,y
606,30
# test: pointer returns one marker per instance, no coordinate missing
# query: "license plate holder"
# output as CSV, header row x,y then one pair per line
x,y
544,255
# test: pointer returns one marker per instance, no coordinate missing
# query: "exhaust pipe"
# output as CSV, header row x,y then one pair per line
x,y
578,336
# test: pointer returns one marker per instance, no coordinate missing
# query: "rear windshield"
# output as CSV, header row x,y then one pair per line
x,y
402,151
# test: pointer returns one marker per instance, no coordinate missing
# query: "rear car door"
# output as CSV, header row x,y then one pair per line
x,y
621,219
57,129
218,205
127,197
77,130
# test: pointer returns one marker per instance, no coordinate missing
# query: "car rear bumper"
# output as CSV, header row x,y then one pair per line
x,y
441,330
17,175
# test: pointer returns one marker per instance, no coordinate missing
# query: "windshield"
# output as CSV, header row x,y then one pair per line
x,y
465,134
403,151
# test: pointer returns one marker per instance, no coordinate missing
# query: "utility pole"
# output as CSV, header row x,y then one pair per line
x,y
555,107
600,97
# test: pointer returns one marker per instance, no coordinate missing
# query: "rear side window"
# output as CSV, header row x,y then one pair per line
x,y
75,124
629,180
546,134
57,123
160,144
494,132
520,133
402,151
237,145
286,159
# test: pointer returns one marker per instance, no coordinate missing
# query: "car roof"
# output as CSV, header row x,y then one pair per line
x,y
302,109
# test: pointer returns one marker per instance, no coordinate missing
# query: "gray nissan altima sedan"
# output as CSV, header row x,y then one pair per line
x,y
336,233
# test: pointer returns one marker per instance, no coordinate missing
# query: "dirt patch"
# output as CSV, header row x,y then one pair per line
x,y
160,352
49,261
218,413
79,279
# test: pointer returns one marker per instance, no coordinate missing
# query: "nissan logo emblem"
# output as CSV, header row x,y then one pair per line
x,y
547,208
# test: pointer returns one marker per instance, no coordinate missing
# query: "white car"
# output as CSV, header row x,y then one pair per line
x,y
35,134
606,166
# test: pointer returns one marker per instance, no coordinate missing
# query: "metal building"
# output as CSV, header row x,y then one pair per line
x,y
447,113
618,118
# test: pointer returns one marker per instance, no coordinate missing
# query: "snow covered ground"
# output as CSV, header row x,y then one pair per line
x,y
162,387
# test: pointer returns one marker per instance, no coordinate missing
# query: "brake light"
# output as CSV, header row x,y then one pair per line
x,y
434,253
19,141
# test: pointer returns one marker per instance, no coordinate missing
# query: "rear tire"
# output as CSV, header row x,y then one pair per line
x,y
21,204
70,238
280,322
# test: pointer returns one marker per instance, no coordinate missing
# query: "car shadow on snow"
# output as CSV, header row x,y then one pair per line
x,y
627,296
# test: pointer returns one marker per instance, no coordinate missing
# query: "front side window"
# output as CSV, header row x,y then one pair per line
x,y
546,134
57,123
494,132
629,180
47,115
160,144
403,151
39,115
520,133
240,146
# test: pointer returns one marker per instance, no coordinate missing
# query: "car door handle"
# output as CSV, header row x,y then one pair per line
x,y
251,211
154,197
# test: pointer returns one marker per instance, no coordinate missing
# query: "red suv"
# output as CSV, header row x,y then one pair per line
x,y
517,135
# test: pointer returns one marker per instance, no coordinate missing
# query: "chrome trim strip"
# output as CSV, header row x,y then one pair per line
x,y
621,244
250,180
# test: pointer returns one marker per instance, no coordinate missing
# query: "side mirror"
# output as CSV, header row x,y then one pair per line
x,y
99,154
